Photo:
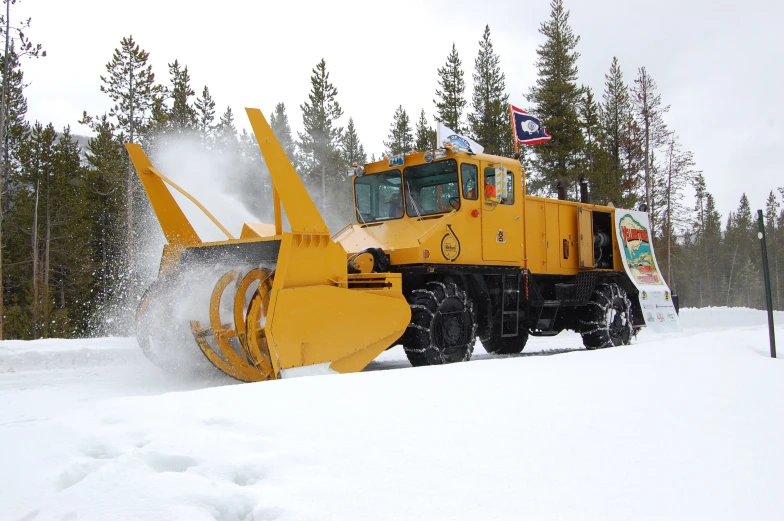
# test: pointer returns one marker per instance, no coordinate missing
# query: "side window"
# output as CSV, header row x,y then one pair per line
x,y
363,200
509,199
494,193
470,174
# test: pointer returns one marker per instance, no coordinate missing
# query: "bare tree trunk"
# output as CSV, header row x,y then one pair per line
x,y
778,285
104,297
323,187
129,202
732,268
775,249
3,112
45,308
62,289
669,213
647,130
35,263
704,242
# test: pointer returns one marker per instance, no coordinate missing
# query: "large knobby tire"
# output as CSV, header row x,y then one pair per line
x,y
607,319
442,328
506,345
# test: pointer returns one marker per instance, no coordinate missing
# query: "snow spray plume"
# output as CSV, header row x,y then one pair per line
x,y
233,184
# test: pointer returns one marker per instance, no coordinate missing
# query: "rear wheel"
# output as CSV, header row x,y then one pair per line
x,y
607,319
442,328
506,345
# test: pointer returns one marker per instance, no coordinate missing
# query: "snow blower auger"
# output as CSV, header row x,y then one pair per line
x,y
269,301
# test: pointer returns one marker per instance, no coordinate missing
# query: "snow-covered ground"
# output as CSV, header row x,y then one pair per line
x,y
682,426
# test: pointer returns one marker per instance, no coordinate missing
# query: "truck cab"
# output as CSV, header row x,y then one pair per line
x,y
443,207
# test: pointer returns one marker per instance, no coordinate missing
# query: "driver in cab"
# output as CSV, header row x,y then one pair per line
x,y
490,193
395,206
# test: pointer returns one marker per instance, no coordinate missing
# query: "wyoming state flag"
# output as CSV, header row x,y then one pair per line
x,y
528,130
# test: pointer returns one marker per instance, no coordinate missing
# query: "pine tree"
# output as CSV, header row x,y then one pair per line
x,y
450,101
616,115
16,46
425,136
351,149
205,116
68,274
556,100
105,159
319,142
677,175
593,159
633,156
226,140
708,245
16,126
772,238
649,112
489,121
741,252
401,138
130,84
31,212
279,122
253,178
183,115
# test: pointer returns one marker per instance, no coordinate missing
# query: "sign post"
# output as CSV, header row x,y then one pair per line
x,y
766,273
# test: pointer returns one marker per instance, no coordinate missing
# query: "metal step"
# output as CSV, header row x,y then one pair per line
x,y
510,305
547,315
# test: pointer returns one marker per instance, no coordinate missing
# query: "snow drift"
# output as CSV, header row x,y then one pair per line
x,y
684,426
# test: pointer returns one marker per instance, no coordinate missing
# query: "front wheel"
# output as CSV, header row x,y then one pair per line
x,y
442,328
607,318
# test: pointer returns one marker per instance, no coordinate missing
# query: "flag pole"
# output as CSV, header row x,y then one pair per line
x,y
514,134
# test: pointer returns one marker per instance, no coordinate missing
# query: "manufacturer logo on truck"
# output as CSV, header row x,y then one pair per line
x,y
450,244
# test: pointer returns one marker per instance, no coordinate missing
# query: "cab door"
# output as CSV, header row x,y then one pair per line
x,y
502,203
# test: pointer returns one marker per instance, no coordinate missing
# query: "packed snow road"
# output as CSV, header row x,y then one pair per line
x,y
682,426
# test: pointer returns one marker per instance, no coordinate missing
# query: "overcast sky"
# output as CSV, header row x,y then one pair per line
x,y
717,63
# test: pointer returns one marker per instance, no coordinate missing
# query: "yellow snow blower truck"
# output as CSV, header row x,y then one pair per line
x,y
446,248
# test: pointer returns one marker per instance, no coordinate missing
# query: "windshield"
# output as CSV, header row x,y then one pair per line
x,y
378,197
432,188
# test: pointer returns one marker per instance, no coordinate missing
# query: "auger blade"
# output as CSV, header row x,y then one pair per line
x,y
221,352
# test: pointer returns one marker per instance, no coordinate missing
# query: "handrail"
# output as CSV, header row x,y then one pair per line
x,y
152,170
339,232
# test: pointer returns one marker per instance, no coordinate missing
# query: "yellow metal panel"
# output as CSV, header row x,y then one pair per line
x,y
535,236
553,237
585,237
338,324
302,214
257,230
567,222
502,227
175,226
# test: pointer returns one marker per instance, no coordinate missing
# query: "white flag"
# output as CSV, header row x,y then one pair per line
x,y
446,134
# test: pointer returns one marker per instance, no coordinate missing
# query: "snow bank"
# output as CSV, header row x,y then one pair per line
x,y
19,355
687,427
724,317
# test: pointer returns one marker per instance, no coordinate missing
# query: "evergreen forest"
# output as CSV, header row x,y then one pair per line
x,y
73,214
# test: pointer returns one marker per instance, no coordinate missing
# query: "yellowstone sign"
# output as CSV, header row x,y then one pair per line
x,y
639,261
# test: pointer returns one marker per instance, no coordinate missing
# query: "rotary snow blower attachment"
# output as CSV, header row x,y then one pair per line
x,y
269,301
